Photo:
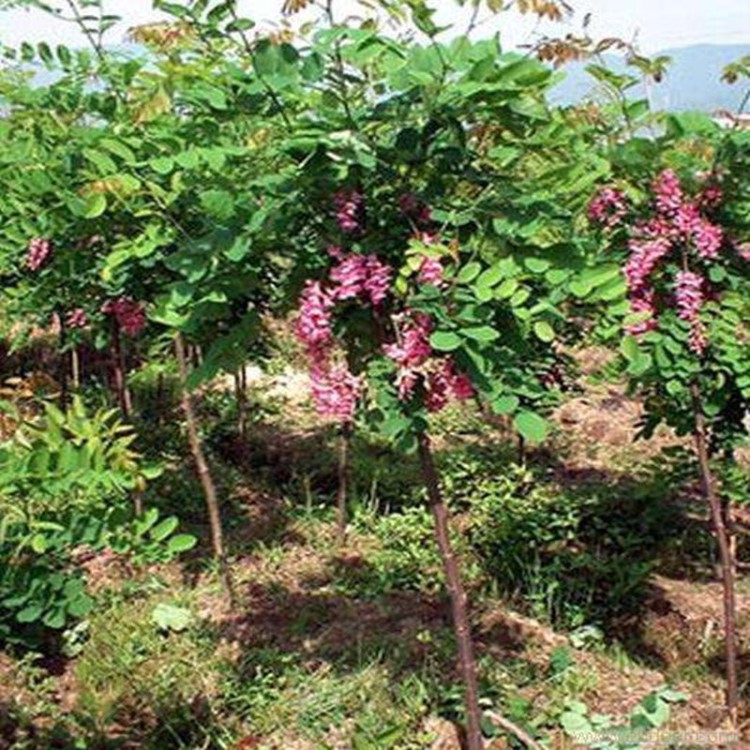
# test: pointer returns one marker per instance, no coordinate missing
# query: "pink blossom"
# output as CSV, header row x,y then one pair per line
x,y
668,192
414,209
689,298
129,314
77,318
431,272
743,250
608,207
711,197
378,280
349,210
411,352
38,253
645,255
643,302
413,348
314,324
708,239
686,218
335,392
349,276
361,275
444,383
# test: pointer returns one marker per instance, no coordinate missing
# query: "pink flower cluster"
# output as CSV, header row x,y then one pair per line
x,y
689,299
129,314
361,276
77,318
334,389
667,193
314,322
415,209
677,223
349,210
38,253
431,272
414,357
608,207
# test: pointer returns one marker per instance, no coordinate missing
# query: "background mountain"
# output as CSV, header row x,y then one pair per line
x,y
693,81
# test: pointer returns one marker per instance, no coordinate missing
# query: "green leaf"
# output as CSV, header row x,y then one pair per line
x,y
30,614
96,205
505,404
481,333
181,543
469,272
491,276
532,426
162,164
164,528
544,331
629,348
445,341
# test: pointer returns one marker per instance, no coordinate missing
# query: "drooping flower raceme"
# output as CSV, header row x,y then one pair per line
x,y
689,299
334,391
129,314
349,210
417,362
431,272
667,193
679,231
360,276
415,210
77,318
39,251
608,207
314,321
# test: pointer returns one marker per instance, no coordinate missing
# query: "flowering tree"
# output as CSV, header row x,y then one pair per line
x,y
680,238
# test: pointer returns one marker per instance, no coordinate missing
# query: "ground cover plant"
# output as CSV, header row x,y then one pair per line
x,y
356,395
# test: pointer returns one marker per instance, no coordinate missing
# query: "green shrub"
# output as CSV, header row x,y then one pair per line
x,y
574,555
65,484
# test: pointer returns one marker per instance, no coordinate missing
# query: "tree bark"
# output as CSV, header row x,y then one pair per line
x,y
75,365
240,393
202,468
718,516
62,366
343,480
461,625
120,374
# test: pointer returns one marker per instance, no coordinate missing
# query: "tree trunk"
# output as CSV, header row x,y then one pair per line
x,y
458,598
343,480
62,367
241,398
718,516
75,366
201,465
120,374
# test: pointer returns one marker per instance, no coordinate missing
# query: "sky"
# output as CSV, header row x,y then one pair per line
x,y
655,24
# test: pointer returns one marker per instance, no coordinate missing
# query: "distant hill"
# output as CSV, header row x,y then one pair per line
x,y
693,81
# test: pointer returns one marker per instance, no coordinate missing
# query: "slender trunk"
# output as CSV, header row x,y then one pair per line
x,y
201,465
241,397
718,517
343,478
75,366
120,374
62,368
461,626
